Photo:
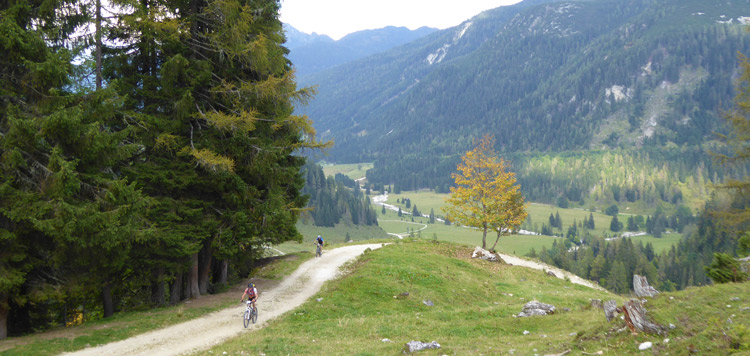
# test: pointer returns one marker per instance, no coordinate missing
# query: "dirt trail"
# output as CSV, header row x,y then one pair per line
x,y
559,273
212,329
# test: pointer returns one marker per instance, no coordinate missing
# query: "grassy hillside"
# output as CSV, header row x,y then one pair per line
x,y
473,313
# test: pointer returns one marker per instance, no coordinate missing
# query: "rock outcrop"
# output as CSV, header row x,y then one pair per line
x,y
536,308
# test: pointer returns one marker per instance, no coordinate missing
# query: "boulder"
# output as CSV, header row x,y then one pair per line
x,y
485,255
641,287
536,308
414,346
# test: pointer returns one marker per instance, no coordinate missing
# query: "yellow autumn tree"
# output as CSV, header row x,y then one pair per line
x,y
486,195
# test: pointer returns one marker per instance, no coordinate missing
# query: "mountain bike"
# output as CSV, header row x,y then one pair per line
x,y
318,250
251,313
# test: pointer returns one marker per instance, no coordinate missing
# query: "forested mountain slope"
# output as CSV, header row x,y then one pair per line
x,y
649,78
311,53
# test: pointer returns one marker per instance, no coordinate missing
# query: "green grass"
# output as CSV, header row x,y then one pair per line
x,y
353,170
332,236
474,302
661,244
130,323
521,244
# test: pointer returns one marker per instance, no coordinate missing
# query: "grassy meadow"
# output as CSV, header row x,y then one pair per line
x,y
379,306
520,244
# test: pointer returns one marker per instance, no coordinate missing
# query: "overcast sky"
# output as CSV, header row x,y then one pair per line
x,y
337,18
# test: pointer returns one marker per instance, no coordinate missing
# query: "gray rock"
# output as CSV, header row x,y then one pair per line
x,y
536,308
645,346
414,346
428,303
735,299
319,299
485,255
550,273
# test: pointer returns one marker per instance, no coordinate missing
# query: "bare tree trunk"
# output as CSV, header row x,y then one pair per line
x,y
224,272
204,267
175,291
499,234
98,44
4,309
484,236
193,290
642,288
157,287
635,318
109,308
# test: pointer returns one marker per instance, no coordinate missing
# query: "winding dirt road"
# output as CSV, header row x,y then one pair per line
x,y
212,329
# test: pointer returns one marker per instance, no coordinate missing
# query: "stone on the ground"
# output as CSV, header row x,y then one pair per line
x,y
428,303
645,346
536,308
485,255
414,346
550,273
597,303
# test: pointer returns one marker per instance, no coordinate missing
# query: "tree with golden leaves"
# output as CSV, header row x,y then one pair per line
x,y
486,195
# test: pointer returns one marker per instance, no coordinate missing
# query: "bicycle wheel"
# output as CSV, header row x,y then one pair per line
x,y
246,318
255,315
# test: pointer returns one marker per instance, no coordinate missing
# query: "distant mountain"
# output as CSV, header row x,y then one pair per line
x,y
313,53
647,76
296,38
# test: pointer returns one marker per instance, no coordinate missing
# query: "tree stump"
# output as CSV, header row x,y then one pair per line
x,y
641,287
635,318
610,309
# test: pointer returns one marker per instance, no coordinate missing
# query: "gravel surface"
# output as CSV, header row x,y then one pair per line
x,y
202,333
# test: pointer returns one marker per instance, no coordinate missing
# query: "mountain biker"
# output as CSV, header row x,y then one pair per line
x,y
319,243
251,292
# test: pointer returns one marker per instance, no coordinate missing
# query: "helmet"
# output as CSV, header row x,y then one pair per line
x,y
251,285
318,236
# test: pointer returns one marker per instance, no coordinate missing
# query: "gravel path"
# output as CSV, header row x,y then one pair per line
x,y
559,273
202,333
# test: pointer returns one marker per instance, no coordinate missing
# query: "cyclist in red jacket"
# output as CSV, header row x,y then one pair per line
x,y
251,292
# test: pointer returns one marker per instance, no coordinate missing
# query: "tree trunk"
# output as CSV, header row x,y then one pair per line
x,y
193,290
224,272
4,309
204,267
610,309
98,44
635,318
175,290
109,308
157,287
484,236
642,288
499,234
